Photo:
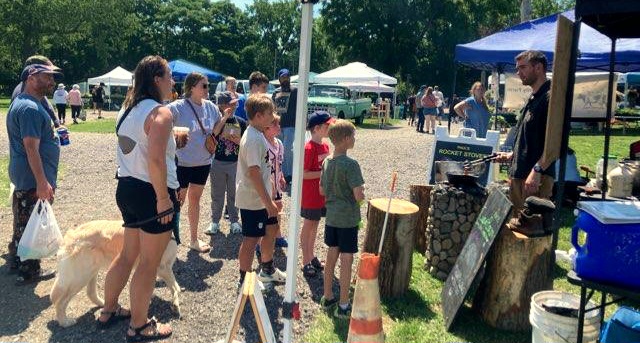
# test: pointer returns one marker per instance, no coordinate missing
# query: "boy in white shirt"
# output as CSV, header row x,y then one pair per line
x,y
253,194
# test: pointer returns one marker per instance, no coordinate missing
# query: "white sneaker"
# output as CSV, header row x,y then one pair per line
x,y
278,276
212,229
236,228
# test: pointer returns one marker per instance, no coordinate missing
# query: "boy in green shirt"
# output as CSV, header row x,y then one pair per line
x,y
342,185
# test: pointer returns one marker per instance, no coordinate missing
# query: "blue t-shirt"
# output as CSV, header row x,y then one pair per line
x,y
28,118
240,110
478,117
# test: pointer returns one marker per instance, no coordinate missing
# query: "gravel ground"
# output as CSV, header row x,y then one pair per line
x,y
86,192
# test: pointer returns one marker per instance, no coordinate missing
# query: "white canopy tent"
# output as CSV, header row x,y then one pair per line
x,y
368,87
355,72
117,77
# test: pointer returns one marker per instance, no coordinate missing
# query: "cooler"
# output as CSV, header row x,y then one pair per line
x,y
611,253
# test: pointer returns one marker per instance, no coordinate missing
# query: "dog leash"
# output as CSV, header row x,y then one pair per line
x,y
149,220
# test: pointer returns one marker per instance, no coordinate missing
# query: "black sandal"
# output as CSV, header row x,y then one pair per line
x,y
114,317
309,271
139,337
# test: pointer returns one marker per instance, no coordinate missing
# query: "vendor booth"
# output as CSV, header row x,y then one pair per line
x,y
118,77
613,228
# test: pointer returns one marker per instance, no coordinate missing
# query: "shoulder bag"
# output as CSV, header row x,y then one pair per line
x,y
210,142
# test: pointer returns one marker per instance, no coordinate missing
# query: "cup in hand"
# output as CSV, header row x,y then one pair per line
x,y
181,135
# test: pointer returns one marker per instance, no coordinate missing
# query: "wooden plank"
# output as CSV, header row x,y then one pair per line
x,y
456,288
232,330
557,101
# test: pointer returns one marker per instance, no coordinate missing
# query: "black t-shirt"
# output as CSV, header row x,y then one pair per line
x,y
226,149
286,106
97,94
530,134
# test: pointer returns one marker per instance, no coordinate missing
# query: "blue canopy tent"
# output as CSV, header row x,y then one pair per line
x,y
181,68
497,51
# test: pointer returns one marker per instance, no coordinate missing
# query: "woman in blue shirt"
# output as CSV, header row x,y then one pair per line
x,y
474,110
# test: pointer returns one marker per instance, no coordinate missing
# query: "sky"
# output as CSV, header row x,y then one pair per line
x,y
242,4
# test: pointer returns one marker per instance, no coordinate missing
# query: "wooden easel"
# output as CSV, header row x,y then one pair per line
x,y
252,292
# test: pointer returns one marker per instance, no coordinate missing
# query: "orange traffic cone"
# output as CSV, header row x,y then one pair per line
x,y
366,314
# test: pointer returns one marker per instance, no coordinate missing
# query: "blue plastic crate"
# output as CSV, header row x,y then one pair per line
x,y
624,326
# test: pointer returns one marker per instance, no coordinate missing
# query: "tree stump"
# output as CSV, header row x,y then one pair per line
x,y
421,196
395,258
517,267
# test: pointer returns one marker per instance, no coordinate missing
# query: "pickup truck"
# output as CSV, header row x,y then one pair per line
x,y
339,101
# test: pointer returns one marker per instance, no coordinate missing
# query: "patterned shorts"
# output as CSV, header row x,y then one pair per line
x,y
22,205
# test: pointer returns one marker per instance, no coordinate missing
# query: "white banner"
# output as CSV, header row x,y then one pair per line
x,y
589,94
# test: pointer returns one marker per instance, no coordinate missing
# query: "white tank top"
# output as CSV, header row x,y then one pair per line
x,y
134,163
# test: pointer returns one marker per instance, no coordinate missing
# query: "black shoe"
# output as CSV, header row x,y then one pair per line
x,y
317,264
41,275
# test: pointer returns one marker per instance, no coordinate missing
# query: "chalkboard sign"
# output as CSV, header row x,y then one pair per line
x,y
491,218
450,150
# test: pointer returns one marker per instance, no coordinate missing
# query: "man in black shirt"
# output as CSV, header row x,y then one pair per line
x,y
530,174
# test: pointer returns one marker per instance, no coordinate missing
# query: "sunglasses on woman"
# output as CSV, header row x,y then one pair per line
x,y
205,85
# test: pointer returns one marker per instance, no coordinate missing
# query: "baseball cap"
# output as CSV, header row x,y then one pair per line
x,y
283,72
319,118
34,69
423,86
225,98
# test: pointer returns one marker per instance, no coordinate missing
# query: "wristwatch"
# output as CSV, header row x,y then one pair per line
x,y
537,168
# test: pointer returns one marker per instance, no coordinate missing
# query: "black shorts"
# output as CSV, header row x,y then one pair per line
x,y
196,175
346,239
313,213
254,222
136,200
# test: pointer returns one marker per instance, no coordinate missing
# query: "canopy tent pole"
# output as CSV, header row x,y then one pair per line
x,y
298,151
566,129
453,91
607,124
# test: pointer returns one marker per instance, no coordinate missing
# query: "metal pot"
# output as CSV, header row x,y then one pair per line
x,y
461,179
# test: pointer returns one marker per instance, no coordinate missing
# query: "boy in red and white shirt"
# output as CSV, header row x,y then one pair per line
x,y
315,151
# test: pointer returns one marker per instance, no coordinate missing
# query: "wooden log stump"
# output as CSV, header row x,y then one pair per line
x,y
517,267
395,259
421,196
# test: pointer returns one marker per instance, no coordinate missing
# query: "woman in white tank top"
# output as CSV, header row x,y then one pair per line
x,y
146,197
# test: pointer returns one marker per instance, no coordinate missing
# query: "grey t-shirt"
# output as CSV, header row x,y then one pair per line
x,y
340,175
194,153
28,118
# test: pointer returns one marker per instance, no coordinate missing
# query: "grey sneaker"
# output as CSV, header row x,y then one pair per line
x,y
212,229
342,313
236,228
278,276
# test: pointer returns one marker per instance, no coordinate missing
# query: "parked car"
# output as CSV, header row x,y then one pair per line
x,y
339,101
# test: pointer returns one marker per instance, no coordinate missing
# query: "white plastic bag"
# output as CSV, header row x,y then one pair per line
x,y
41,237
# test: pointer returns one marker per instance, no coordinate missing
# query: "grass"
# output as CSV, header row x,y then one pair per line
x,y
372,123
4,102
4,181
106,125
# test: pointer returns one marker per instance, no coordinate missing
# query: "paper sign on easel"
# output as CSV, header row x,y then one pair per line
x,y
250,291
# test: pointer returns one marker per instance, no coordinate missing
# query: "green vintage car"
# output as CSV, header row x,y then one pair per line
x,y
338,100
